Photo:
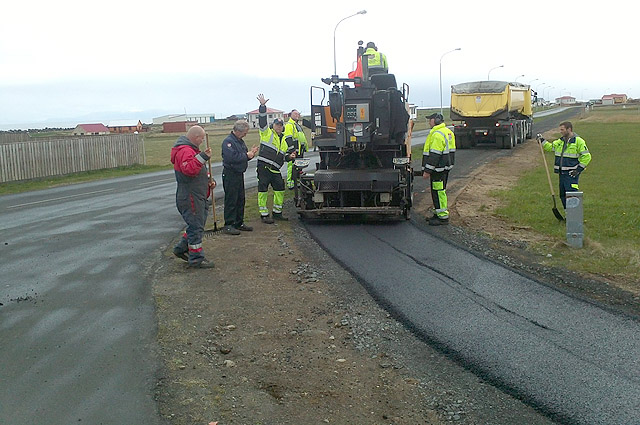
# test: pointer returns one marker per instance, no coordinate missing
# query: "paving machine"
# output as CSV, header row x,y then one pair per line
x,y
361,128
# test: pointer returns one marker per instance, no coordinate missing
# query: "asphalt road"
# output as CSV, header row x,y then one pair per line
x,y
77,328
571,359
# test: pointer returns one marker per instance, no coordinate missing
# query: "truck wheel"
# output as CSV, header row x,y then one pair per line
x,y
529,130
461,142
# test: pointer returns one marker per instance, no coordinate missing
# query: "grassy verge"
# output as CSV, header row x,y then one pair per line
x,y
49,182
611,191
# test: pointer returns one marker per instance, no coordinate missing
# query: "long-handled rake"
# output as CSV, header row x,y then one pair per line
x,y
553,196
213,197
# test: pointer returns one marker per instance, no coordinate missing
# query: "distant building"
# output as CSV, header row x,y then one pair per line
x,y
413,111
566,100
177,126
198,118
237,117
614,99
272,114
125,126
90,130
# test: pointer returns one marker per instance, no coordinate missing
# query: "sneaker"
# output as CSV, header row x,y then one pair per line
x,y
180,254
435,221
204,264
244,228
279,217
230,230
266,219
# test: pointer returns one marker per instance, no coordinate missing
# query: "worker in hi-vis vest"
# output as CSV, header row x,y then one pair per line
x,y
376,61
272,155
572,157
296,140
437,160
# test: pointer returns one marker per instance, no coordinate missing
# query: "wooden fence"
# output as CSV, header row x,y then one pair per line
x,y
52,157
23,136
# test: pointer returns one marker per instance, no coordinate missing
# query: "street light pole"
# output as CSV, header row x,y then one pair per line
x,y
335,67
549,93
529,83
538,89
450,51
516,80
489,73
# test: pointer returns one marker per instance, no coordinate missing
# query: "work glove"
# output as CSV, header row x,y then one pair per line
x,y
574,173
539,138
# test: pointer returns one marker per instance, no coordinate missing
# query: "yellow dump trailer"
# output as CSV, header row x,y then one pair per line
x,y
495,112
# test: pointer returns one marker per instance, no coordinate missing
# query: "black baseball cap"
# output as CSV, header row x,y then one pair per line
x,y
278,121
436,115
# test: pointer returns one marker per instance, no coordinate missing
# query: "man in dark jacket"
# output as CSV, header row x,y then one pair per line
x,y
192,193
235,157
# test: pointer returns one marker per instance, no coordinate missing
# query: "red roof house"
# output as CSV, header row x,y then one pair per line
x,y
90,130
610,99
272,114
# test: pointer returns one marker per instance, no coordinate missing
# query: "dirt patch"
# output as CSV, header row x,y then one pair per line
x,y
278,333
475,208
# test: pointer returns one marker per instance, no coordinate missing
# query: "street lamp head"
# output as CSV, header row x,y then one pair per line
x,y
362,12
489,73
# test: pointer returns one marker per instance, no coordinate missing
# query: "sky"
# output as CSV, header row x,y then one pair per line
x,y
68,62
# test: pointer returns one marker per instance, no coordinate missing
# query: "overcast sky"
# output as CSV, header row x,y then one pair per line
x,y
69,61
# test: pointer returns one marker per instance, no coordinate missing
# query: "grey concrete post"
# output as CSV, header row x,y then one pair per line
x,y
575,219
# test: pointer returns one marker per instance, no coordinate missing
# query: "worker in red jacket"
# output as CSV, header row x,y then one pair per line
x,y
192,193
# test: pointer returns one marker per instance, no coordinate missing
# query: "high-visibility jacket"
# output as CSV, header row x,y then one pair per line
x,y
294,135
376,60
273,147
439,149
571,154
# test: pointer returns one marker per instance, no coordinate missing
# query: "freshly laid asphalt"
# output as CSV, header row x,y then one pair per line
x,y
569,358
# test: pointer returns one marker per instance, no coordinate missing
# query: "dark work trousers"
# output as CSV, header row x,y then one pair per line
x,y
567,184
194,213
439,194
233,184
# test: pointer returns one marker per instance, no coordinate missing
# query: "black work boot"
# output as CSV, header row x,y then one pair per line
x,y
435,221
204,264
244,228
266,219
180,254
279,217
230,230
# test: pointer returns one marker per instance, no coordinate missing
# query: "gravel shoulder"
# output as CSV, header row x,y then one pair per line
x,y
279,333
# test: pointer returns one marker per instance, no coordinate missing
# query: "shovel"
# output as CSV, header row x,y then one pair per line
x,y
553,196
213,198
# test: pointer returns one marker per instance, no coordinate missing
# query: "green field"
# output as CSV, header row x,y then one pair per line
x,y
611,193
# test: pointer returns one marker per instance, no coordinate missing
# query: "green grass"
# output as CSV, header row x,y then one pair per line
x,y
86,176
611,192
